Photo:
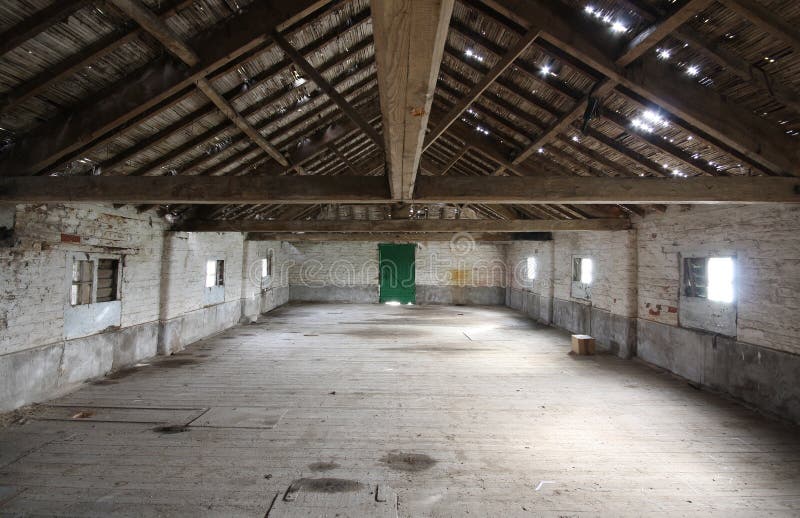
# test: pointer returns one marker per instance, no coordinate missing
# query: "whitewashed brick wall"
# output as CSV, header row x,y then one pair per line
x,y
766,240
614,258
334,263
184,269
33,272
254,252
517,259
351,263
460,263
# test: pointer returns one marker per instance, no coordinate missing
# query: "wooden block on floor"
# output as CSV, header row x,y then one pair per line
x,y
583,345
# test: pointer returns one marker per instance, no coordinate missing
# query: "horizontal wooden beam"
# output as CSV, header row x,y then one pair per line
x,y
386,237
408,225
604,190
374,189
165,190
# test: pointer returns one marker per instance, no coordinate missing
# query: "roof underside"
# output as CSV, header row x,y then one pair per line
x,y
68,68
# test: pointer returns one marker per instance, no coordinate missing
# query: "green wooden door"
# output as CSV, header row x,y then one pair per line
x,y
397,273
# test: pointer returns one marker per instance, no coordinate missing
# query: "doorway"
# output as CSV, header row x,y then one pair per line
x,y
397,273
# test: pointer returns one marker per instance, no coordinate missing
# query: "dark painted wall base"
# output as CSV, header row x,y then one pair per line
x,y
362,294
461,295
764,378
54,369
614,332
179,332
761,377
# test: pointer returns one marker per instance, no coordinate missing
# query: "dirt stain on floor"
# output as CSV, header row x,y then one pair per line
x,y
171,428
104,382
120,374
322,466
326,485
435,349
174,363
408,461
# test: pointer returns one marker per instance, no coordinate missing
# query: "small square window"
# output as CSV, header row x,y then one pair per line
x,y
709,278
582,270
82,283
215,273
531,270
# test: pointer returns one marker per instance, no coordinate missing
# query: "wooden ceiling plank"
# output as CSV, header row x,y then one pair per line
x,y
455,112
152,86
233,94
644,42
167,190
383,237
617,146
326,87
88,55
610,165
724,121
756,77
39,22
765,20
157,28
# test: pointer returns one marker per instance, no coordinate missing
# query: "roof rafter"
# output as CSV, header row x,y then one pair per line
x,y
139,13
326,87
234,94
39,22
80,60
701,107
149,89
505,61
645,41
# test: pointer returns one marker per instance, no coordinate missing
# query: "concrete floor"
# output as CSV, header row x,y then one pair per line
x,y
368,410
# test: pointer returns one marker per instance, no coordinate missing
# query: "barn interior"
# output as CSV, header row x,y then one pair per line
x,y
399,257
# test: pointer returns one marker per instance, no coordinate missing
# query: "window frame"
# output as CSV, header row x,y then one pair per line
x,y
218,275
96,316
579,288
115,280
531,260
77,270
690,288
700,312
94,260
267,264
214,294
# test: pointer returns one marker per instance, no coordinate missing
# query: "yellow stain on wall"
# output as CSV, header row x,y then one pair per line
x,y
461,277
